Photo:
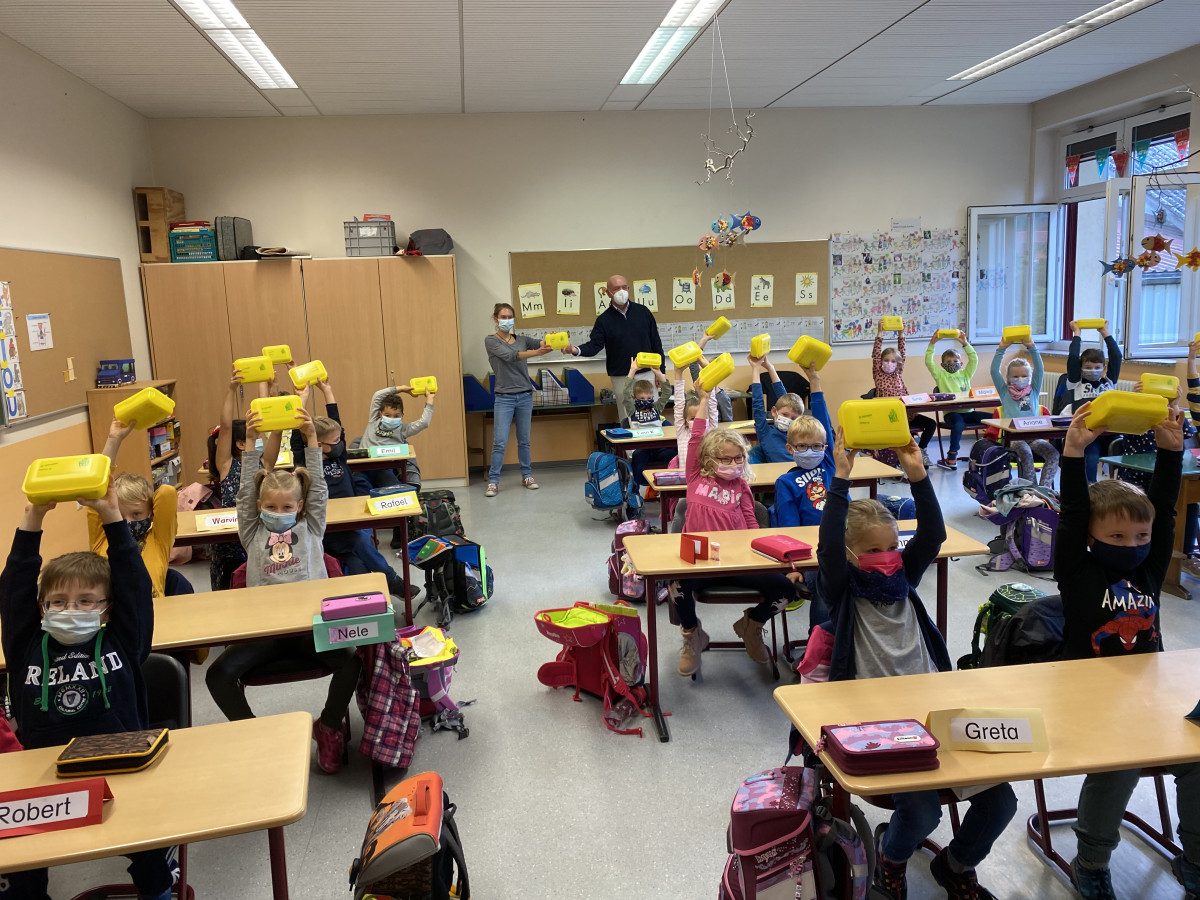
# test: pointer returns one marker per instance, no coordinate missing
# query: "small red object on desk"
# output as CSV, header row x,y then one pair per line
x,y
693,547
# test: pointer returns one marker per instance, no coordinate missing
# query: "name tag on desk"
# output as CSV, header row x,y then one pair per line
x,y
385,452
53,807
1029,423
390,504
647,431
984,393
989,730
913,399
216,522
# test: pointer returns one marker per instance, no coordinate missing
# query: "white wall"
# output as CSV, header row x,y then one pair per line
x,y
582,181
70,157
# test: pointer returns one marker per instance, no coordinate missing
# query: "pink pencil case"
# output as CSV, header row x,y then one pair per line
x,y
875,748
352,605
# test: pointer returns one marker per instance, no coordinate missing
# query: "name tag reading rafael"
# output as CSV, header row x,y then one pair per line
x,y
989,730
390,504
218,522
52,807
384,452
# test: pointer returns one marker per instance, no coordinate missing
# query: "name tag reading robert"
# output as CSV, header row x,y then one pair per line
x,y
392,503
648,431
218,522
989,730
385,452
53,807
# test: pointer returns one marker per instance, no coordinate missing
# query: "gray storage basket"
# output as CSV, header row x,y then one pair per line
x,y
374,238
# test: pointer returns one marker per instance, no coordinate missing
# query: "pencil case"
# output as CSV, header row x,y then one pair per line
x,y
350,605
782,548
111,754
559,340
685,354
760,345
254,369
63,478
1090,323
426,384
279,354
1017,334
146,408
809,352
649,360
670,477
939,396
947,332
278,413
875,748
1162,385
716,372
309,373
1126,412
718,328
878,424
892,323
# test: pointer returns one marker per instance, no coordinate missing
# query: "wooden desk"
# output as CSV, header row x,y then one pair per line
x,y
625,446
937,407
1008,434
212,781
656,557
766,474
365,464
1189,492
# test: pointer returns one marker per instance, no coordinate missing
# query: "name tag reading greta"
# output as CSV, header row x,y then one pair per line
x,y
385,452
218,522
390,504
989,730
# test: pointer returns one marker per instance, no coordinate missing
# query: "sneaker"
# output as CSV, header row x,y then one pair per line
x,y
925,459
530,483
1188,874
1092,884
1191,567
492,490
950,462
397,542
957,886
750,632
694,643
330,743
890,879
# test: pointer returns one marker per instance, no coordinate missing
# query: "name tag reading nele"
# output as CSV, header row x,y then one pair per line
x,y
389,504
989,730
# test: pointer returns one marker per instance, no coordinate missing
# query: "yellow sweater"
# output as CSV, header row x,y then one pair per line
x,y
156,551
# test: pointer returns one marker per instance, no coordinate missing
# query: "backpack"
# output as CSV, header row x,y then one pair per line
x,y
457,576
610,486
1060,397
623,582
1026,542
900,507
1004,602
429,242
1032,634
989,470
439,516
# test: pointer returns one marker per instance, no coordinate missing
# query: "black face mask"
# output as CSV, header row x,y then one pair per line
x,y
1121,559
141,528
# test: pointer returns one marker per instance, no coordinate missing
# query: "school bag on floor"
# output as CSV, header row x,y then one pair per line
x,y
457,576
412,849
1004,602
1032,634
610,487
1026,541
900,507
439,516
623,582
988,470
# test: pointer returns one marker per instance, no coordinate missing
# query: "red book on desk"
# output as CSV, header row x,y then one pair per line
x,y
782,548
693,547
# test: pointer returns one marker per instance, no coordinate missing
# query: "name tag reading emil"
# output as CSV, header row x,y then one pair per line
x,y
386,451
392,503
989,730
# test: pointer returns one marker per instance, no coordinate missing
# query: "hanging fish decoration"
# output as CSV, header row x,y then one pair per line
x,y
1157,243
749,222
696,277
1191,260
708,260
723,280
1118,266
721,225
708,242
1148,260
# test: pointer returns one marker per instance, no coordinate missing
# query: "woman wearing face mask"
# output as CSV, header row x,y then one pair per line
x,y
881,628
1020,390
507,353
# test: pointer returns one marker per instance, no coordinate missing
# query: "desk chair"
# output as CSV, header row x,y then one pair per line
x,y
734,594
168,703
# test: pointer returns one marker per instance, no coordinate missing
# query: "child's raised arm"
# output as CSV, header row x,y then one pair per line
x,y
900,351
972,357
132,591
1074,366
20,617
1164,489
927,542
117,432
318,491
1039,370
247,496
877,353
1193,380
1114,353
997,367
758,404
699,426
832,576
1071,536
224,452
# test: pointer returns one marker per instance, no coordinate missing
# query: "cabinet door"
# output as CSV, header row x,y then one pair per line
x,y
420,326
345,332
189,343
266,306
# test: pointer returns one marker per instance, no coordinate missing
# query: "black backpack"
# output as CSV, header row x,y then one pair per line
x,y
429,242
1032,634
439,516
1004,602
458,578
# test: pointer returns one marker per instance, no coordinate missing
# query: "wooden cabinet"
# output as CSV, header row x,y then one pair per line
x,y
137,455
265,305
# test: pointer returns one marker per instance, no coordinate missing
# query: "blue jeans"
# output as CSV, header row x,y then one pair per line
x,y
917,814
957,422
511,408
148,870
1102,802
366,558
1091,456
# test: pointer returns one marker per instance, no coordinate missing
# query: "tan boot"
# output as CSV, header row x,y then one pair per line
x,y
694,643
750,632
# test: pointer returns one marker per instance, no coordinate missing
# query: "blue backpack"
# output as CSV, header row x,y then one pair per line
x,y
610,486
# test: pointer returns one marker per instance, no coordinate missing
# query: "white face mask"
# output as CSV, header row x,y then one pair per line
x,y
783,423
71,626
621,297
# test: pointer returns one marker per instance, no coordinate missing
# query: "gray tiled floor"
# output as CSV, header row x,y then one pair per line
x,y
551,804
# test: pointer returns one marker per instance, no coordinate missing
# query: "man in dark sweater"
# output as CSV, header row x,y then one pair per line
x,y
622,331
1112,550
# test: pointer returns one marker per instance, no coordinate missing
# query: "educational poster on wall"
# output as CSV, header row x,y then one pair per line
x,y
911,273
599,289
722,293
41,337
568,298
646,293
683,293
806,288
762,291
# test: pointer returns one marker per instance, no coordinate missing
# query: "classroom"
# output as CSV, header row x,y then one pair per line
x,y
970,168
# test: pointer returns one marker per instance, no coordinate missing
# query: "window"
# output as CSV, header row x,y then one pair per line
x,y
1014,259
1148,139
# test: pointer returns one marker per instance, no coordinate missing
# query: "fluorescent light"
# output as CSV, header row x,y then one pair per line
x,y
225,26
1097,18
685,20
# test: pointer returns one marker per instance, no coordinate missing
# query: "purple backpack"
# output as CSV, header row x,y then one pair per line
x,y
1026,541
623,582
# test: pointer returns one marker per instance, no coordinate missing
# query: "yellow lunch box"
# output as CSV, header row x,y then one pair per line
x,y
279,354
278,413
1162,385
874,424
892,323
947,333
809,352
63,478
1018,334
147,407
685,354
559,340
426,384
254,368
760,345
1126,412
309,373
1090,323
716,372
649,360
718,328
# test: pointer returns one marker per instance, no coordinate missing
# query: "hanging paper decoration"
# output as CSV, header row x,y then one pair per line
x,y
721,225
723,280
1148,260
1102,159
1118,266
1072,170
1181,141
1121,162
708,260
1191,260
708,242
1142,149
1157,243
749,222
696,277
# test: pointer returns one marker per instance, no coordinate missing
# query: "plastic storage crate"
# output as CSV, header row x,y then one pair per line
x,y
193,246
374,238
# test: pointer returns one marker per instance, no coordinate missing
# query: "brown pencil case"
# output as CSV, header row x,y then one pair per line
x,y
111,754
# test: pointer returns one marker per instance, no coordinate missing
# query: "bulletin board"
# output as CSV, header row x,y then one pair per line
x,y
766,279
83,298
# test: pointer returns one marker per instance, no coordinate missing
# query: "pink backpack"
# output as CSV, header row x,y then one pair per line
x,y
623,582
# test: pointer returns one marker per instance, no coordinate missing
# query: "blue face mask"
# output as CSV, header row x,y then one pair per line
x,y
391,422
808,459
277,522
140,528
1019,382
506,325
1121,559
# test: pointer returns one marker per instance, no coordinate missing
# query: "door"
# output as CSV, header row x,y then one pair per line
x,y
1013,256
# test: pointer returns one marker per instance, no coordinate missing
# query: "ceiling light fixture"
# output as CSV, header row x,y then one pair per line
x,y
1097,18
682,24
222,23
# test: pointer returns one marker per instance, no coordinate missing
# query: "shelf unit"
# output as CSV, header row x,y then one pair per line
x,y
136,454
155,208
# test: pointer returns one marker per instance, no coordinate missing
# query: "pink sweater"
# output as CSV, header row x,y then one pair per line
x,y
888,385
714,504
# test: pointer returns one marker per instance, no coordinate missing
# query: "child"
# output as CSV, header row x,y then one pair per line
x,y
800,493
92,617
887,369
225,446
771,433
281,520
1086,380
719,499
1020,390
644,410
687,408
881,628
386,428
952,378
1112,553
150,514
